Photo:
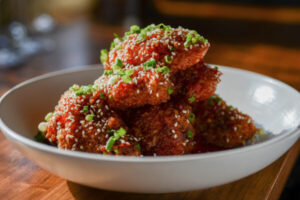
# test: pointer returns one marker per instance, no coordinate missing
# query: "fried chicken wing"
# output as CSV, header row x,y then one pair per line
x,y
83,121
222,125
165,129
139,67
196,83
177,48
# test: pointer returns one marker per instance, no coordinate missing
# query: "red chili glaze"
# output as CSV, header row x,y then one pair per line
x,y
72,127
156,46
221,125
163,129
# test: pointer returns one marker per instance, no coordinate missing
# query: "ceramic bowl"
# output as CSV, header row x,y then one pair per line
x,y
271,103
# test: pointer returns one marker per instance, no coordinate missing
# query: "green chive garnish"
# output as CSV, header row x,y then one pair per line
x,y
108,72
118,64
138,146
79,92
102,95
89,117
39,137
121,132
192,99
163,69
193,37
126,75
74,88
135,29
110,143
85,108
168,59
190,133
210,101
48,116
149,64
191,117
171,48
103,56
170,90
116,151
117,134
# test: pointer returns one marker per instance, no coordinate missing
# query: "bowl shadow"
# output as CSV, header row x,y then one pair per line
x,y
81,192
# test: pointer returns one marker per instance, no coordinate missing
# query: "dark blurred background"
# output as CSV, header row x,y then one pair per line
x,y
38,36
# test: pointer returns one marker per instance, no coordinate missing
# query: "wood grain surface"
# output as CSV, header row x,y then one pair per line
x,y
22,179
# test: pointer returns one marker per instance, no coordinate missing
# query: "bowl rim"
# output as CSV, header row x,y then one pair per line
x,y
99,157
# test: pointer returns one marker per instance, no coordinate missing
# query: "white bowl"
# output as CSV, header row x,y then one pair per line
x,y
271,103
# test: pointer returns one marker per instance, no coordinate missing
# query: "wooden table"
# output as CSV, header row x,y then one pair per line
x,y
22,179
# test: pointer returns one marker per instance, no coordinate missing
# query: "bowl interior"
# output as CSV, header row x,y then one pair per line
x,y
271,103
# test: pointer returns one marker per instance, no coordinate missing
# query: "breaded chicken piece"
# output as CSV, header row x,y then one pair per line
x,y
165,129
83,121
139,66
145,87
177,48
222,125
196,83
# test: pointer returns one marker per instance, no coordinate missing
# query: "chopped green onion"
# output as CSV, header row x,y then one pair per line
x,y
103,56
192,99
135,29
168,59
126,77
129,72
74,88
210,102
85,108
194,40
218,98
138,146
190,133
48,116
40,137
216,67
89,117
193,37
116,35
163,69
163,26
191,117
121,132
149,64
102,95
230,107
170,90
116,151
111,97
108,72
120,72
117,134
79,92
110,143
118,64
43,127
171,48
